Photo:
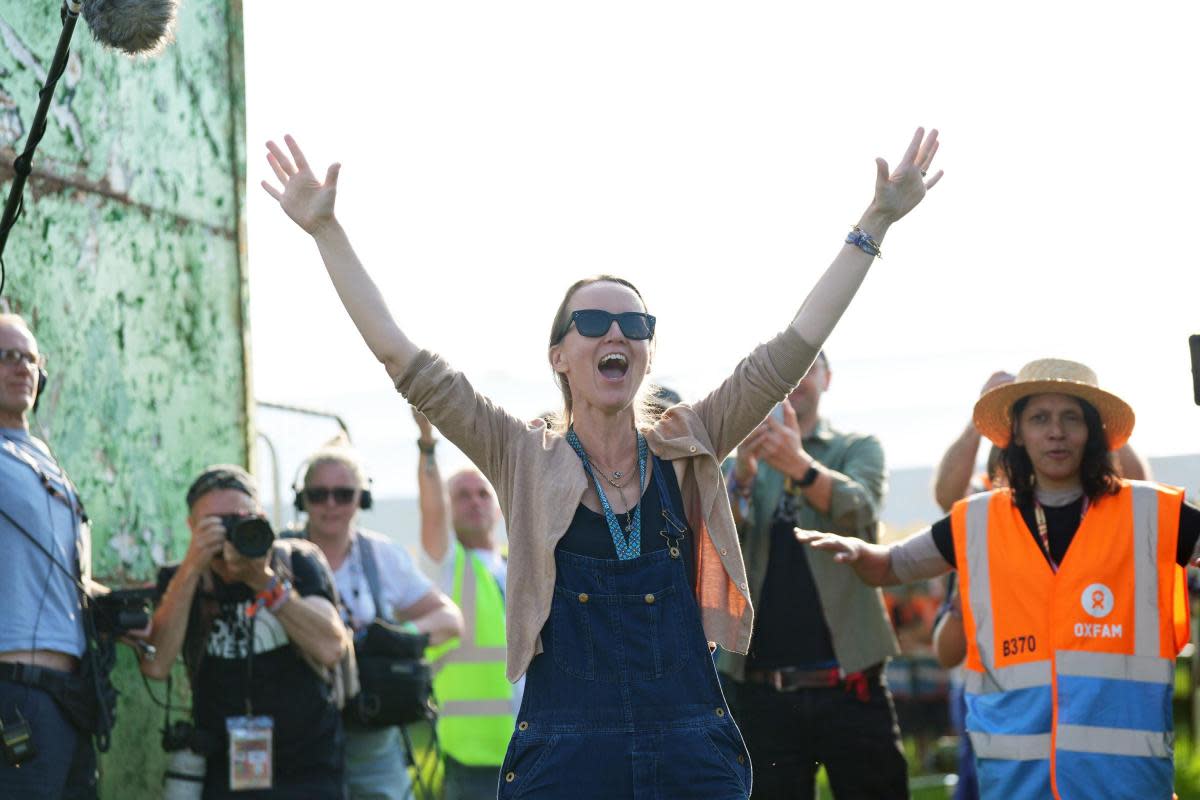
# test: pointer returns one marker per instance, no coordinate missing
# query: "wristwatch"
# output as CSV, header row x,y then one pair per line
x,y
808,479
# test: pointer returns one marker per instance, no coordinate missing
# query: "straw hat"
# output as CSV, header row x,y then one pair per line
x,y
1052,376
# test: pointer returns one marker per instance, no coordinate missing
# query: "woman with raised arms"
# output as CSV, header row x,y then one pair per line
x,y
624,562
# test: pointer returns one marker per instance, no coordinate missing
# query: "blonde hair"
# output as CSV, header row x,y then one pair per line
x,y
337,451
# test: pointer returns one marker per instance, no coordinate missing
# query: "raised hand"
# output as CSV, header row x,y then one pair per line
x,y
998,379
898,191
306,200
424,426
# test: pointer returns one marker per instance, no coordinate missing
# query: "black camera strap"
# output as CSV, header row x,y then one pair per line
x,y
70,498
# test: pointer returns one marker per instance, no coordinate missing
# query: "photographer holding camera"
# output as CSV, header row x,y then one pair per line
x,y
376,580
256,621
54,689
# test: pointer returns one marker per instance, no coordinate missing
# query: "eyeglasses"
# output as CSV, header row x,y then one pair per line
x,y
13,355
342,495
594,323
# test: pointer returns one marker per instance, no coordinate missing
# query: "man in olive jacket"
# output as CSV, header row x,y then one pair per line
x,y
811,689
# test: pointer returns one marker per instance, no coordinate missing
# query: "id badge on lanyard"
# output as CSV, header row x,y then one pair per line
x,y
250,752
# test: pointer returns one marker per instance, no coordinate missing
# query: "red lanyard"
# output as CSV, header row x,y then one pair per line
x,y
1044,531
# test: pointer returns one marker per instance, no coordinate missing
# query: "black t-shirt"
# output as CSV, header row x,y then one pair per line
x,y
789,623
307,724
1061,524
588,534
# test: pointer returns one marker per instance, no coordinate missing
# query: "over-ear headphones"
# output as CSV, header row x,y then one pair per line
x,y
41,387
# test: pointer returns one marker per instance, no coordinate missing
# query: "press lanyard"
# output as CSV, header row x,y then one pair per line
x,y
1044,529
627,546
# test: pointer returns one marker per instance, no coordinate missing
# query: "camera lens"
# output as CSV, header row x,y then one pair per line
x,y
251,536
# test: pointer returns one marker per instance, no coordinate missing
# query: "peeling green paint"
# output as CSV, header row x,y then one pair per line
x,y
129,264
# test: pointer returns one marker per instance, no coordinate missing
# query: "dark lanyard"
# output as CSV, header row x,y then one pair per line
x,y
1044,529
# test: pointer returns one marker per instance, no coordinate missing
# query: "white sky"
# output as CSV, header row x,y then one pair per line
x,y
716,154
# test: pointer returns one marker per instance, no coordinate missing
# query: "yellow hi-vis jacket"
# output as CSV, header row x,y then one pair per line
x,y
475,720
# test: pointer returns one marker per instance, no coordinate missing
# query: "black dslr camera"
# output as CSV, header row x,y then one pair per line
x,y
250,535
123,610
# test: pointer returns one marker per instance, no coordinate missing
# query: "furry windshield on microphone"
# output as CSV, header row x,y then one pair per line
x,y
136,27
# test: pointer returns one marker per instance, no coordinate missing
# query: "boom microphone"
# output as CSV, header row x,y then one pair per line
x,y
136,27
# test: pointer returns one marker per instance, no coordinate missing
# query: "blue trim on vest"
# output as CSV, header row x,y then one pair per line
x,y
1020,711
1013,780
1092,775
1108,703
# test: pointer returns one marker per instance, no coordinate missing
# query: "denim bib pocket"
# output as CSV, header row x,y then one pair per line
x,y
615,637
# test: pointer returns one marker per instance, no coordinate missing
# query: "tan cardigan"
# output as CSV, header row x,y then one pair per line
x,y
539,482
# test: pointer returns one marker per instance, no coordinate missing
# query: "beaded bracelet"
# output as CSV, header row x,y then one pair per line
x,y
864,241
283,593
271,598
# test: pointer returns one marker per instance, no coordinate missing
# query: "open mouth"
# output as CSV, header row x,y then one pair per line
x,y
613,366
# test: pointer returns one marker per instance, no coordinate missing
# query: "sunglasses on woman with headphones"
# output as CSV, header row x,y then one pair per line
x,y
317,495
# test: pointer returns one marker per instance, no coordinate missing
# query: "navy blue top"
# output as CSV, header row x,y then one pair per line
x,y
588,533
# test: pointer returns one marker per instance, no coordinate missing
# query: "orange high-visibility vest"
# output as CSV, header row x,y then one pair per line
x,y
1069,676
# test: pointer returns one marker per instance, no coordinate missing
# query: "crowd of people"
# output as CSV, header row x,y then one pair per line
x,y
688,605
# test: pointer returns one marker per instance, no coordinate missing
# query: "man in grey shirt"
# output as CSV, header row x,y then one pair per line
x,y
46,559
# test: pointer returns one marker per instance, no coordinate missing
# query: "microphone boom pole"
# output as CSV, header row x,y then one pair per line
x,y
23,164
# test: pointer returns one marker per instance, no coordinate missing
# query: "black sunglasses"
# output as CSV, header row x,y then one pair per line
x,y
594,323
342,495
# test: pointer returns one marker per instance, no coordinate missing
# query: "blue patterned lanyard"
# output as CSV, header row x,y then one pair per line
x,y
631,546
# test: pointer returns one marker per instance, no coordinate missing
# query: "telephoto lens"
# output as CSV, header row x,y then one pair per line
x,y
250,535
184,778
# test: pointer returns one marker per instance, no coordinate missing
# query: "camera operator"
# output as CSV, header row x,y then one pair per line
x,y
256,621
334,489
49,703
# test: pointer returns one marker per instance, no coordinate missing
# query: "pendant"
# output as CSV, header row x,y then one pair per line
x,y
617,475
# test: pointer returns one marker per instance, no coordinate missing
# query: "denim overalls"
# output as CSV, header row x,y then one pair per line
x,y
624,701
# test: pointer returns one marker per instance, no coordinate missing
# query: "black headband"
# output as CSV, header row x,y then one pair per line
x,y
221,476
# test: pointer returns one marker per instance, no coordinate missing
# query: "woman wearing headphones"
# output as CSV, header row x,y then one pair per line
x,y
333,491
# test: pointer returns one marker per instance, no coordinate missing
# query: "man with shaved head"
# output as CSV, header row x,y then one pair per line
x,y
476,700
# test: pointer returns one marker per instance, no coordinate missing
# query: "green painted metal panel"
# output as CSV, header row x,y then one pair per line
x,y
129,263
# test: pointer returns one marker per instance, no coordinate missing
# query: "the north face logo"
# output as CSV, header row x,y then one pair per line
x,y
1097,600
